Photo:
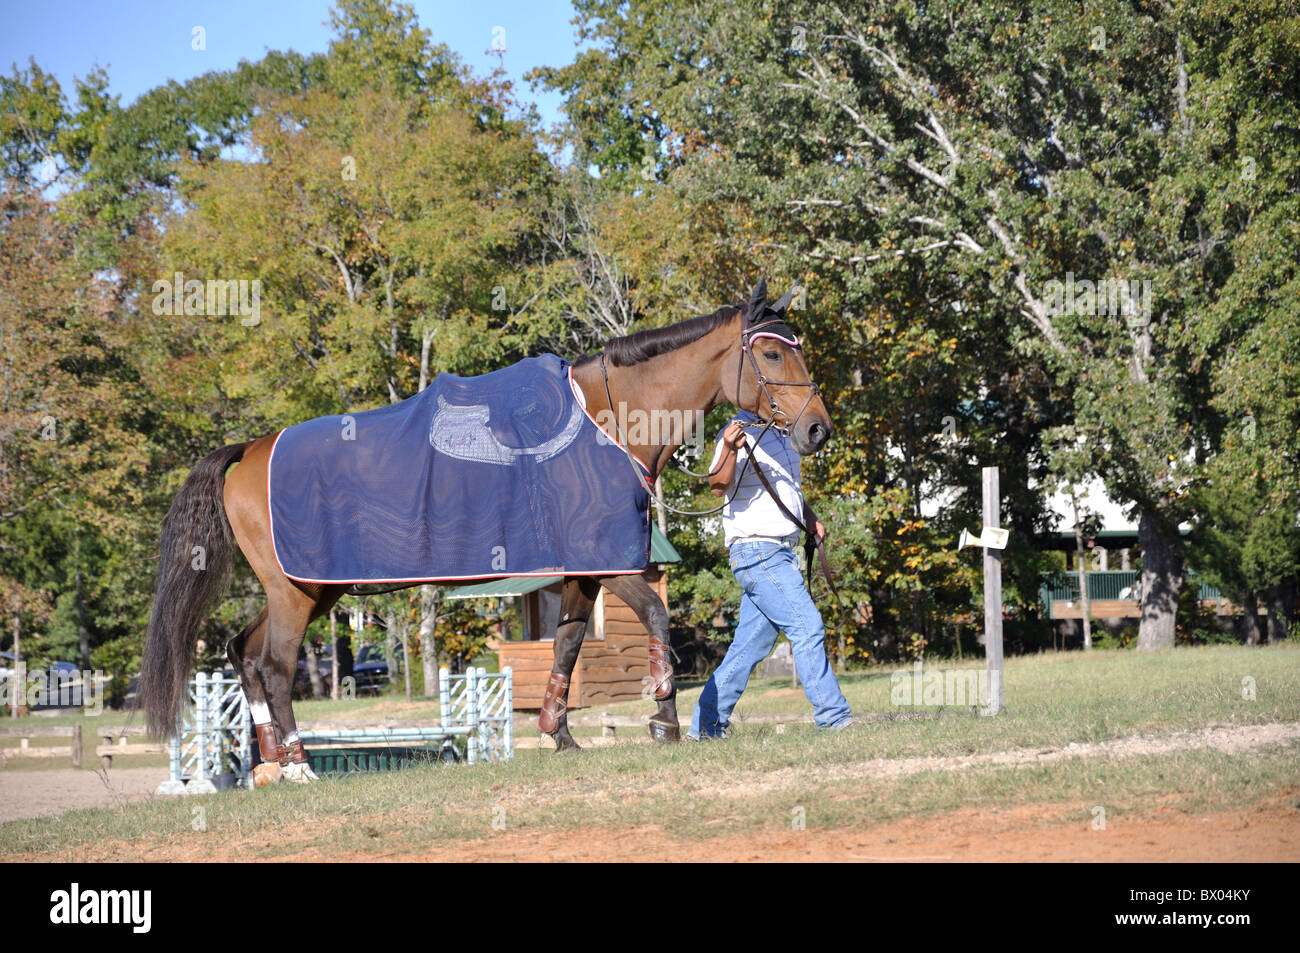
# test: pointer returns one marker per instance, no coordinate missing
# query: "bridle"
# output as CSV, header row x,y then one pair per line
x,y
747,335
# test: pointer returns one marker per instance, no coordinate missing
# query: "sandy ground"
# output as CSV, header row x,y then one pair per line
x,y
45,793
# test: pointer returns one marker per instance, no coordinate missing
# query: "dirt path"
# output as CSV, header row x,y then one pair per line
x,y
1232,739
46,793
1049,832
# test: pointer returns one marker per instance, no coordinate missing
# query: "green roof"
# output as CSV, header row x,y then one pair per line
x,y
661,551
509,586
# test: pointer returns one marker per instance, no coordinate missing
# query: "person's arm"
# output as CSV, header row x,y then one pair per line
x,y
733,438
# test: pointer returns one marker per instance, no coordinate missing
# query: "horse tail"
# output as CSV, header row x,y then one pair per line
x,y
194,563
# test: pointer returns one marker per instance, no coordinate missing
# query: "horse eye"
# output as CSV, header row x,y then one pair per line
x,y
773,355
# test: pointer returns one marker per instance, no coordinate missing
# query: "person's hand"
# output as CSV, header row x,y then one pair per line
x,y
820,529
734,435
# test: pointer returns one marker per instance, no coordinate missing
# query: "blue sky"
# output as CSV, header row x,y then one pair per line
x,y
143,43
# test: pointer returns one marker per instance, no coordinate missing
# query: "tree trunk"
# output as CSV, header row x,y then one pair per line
x,y
334,657
313,671
83,633
1162,577
390,646
406,659
430,602
17,685
1277,623
1250,618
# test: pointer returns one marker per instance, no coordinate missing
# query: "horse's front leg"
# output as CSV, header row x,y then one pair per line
x,y
576,600
289,611
645,602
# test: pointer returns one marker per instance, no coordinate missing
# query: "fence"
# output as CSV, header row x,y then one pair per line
x,y
476,706
26,749
214,744
1104,585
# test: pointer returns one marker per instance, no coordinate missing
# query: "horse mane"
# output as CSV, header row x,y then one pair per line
x,y
643,345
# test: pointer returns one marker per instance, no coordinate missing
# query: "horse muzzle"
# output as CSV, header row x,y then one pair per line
x,y
811,437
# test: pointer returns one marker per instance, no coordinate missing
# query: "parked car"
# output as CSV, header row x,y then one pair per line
x,y
370,668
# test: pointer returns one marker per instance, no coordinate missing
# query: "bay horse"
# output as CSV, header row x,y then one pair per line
x,y
739,354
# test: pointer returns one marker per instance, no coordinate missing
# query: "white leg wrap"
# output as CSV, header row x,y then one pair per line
x,y
261,713
298,773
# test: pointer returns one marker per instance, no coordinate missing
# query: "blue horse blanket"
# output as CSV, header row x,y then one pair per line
x,y
475,477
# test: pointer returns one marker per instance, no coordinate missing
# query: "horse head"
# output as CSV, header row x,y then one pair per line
x,y
772,378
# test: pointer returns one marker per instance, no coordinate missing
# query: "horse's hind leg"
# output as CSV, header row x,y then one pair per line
x,y
577,598
242,651
645,602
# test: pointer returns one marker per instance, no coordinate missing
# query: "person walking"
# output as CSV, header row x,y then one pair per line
x,y
761,542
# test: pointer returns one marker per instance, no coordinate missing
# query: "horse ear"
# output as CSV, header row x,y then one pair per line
x,y
757,300
784,303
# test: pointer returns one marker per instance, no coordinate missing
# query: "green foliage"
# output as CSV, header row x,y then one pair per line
x,y
462,633
119,659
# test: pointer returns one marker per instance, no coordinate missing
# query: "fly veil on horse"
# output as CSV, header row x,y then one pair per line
x,y
307,553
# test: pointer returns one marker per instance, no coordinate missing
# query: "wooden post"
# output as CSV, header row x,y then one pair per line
x,y
76,745
992,596
1085,604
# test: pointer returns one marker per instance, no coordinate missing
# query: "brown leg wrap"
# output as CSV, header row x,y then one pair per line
x,y
296,752
554,704
661,670
268,744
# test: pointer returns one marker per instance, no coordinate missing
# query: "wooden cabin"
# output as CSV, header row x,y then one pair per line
x,y
615,655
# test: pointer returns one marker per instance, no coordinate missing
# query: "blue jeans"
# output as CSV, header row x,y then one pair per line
x,y
774,599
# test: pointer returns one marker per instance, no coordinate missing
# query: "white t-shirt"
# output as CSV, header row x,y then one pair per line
x,y
752,511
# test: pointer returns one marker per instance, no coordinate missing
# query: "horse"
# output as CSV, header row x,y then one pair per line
x,y
740,354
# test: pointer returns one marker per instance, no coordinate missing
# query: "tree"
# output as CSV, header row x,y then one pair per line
x,y
956,166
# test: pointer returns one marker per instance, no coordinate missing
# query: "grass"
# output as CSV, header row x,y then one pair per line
x,y
754,780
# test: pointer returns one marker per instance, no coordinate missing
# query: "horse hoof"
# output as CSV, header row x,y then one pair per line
x,y
268,772
565,745
299,772
664,733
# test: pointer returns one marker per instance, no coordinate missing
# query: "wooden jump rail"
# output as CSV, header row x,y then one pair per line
x,y
113,742
26,749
